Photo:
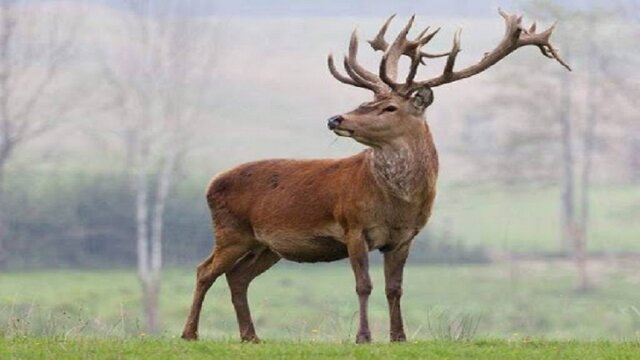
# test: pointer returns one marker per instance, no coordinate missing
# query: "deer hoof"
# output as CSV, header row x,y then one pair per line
x,y
363,338
251,339
189,336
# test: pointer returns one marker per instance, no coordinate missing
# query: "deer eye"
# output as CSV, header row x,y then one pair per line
x,y
390,108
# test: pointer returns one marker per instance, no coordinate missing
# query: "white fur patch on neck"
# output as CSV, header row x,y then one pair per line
x,y
400,169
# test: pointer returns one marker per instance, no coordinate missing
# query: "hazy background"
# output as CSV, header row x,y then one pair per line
x,y
114,115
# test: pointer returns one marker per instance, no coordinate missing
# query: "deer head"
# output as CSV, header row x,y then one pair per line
x,y
398,108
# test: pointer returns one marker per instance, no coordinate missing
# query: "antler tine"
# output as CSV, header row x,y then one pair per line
x,y
413,70
434,56
420,38
389,63
379,43
377,88
336,74
542,41
372,80
358,75
354,75
451,59
426,38
418,55
503,13
427,55
384,75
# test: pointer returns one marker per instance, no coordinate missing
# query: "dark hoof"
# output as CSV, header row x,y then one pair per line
x,y
363,338
398,338
189,336
251,339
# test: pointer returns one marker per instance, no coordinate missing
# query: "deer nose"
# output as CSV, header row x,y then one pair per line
x,y
334,121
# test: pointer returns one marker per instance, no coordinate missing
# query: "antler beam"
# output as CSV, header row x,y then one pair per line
x,y
516,36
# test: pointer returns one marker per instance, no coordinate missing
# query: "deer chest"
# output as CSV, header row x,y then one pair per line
x,y
400,223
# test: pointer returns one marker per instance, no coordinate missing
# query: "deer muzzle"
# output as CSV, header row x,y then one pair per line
x,y
334,122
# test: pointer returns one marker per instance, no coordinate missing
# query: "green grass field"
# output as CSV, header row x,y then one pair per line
x,y
22,348
317,303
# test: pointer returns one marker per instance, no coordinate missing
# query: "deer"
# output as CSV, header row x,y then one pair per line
x,y
331,209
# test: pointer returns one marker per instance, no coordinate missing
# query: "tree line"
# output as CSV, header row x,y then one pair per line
x,y
88,221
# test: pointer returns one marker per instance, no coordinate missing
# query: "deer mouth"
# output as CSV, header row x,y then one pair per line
x,y
343,132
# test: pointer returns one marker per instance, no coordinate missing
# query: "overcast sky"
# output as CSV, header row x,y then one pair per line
x,y
359,8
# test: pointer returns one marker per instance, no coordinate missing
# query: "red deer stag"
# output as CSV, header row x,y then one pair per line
x,y
325,210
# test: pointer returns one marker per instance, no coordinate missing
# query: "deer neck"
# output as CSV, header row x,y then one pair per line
x,y
406,168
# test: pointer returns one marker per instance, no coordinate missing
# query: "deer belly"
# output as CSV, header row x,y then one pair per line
x,y
315,249
305,247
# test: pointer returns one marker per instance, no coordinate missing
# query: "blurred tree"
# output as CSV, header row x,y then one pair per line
x,y
556,134
626,91
159,82
35,47
592,39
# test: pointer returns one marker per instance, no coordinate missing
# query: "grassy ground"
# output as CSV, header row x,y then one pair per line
x,y
176,349
317,303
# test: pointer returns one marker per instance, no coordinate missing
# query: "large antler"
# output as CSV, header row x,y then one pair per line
x,y
385,82
515,37
401,46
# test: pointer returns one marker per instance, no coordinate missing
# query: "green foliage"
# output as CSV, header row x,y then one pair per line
x,y
82,221
89,221
77,220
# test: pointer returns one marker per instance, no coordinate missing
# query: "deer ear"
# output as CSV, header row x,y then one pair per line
x,y
422,98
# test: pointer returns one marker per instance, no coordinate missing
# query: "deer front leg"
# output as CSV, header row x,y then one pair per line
x,y
359,258
394,261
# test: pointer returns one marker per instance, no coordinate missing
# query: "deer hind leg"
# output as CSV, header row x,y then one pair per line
x,y
230,247
239,278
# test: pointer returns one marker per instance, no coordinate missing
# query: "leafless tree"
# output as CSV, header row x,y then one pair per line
x,y
159,82
563,113
36,45
563,135
597,84
627,88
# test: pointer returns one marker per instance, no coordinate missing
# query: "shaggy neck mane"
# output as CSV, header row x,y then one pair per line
x,y
407,167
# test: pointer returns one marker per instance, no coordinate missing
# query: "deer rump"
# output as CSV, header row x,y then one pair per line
x,y
288,206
